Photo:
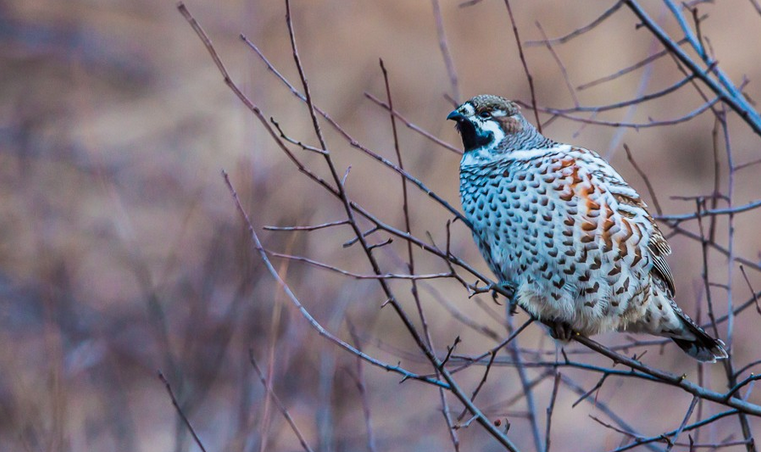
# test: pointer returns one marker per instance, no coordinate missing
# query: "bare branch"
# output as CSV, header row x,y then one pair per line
x,y
644,179
579,31
525,66
283,410
550,409
362,388
728,211
661,438
412,126
633,125
673,380
176,405
687,416
311,320
728,93
626,70
560,64
454,84
306,228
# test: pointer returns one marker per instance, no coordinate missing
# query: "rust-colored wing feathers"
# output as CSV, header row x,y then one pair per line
x,y
657,246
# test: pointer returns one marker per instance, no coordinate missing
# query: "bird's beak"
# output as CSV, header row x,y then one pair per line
x,y
456,116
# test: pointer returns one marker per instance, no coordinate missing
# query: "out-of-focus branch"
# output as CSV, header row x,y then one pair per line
x,y
626,70
550,409
579,31
707,213
176,405
278,403
633,125
413,126
529,77
560,64
645,179
444,46
724,89
362,387
528,392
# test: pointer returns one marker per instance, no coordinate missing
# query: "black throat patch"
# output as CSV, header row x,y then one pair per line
x,y
473,138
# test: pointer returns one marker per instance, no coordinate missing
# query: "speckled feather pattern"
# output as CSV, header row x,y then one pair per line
x,y
548,227
560,226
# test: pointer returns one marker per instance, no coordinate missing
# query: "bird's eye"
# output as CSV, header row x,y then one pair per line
x,y
485,114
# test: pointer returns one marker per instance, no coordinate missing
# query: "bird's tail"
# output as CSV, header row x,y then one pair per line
x,y
703,347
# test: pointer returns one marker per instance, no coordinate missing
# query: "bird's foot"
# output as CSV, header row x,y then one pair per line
x,y
474,289
560,330
512,301
505,289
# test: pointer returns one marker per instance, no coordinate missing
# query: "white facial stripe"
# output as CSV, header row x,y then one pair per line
x,y
494,128
468,110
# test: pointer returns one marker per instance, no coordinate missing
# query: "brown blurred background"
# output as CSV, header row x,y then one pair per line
x,y
121,253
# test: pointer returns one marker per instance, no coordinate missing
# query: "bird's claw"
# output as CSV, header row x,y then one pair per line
x,y
505,289
560,330
474,289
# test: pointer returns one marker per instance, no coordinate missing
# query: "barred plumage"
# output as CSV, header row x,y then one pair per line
x,y
559,225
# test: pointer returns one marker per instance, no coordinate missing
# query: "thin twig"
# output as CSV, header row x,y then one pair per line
x,y
673,380
359,275
411,256
579,31
444,47
640,98
517,356
362,388
633,125
724,89
752,292
638,441
645,179
595,388
756,5
560,64
185,420
414,127
715,212
283,410
627,69
305,228
311,320
550,409
525,66
687,416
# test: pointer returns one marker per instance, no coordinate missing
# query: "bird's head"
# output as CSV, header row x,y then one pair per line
x,y
486,120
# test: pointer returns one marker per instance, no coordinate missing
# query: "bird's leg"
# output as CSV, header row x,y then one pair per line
x,y
559,330
508,290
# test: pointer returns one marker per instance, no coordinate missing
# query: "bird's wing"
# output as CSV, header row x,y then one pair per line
x,y
659,249
630,200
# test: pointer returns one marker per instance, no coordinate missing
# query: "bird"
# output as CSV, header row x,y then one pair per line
x,y
565,234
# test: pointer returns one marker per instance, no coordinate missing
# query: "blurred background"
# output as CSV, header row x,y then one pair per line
x,y
121,253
